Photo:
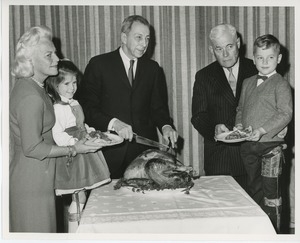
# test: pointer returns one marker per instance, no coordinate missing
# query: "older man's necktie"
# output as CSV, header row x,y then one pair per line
x,y
232,81
130,72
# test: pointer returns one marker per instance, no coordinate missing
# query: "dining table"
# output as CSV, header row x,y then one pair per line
x,y
214,205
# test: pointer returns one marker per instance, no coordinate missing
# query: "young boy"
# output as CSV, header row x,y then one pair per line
x,y
266,105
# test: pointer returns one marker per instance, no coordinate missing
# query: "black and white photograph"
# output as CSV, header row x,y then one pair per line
x,y
149,121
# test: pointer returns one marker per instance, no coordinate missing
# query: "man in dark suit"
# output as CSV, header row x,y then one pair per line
x,y
124,91
216,94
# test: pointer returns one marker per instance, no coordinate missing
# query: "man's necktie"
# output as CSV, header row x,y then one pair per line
x,y
130,72
262,77
232,81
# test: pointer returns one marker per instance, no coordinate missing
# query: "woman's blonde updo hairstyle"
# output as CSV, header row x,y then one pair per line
x,y
22,65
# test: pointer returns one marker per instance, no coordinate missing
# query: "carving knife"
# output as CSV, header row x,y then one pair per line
x,y
151,143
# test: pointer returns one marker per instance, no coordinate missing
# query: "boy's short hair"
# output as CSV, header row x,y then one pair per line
x,y
265,42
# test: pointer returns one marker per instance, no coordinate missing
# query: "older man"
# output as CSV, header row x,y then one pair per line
x,y
216,94
125,91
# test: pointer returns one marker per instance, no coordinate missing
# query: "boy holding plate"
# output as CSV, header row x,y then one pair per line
x,y
266,105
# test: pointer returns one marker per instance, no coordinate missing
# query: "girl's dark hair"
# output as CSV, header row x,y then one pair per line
x,y
65,67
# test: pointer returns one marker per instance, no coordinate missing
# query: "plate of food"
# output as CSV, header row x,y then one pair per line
x,y
106,138
234,136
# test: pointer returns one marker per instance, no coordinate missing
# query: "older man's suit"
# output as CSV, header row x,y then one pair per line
x,y
213,103
106,93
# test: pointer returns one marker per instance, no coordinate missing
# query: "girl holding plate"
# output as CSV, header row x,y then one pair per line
x,y
74,175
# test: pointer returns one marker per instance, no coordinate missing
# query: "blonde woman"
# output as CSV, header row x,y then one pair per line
x,y
32,166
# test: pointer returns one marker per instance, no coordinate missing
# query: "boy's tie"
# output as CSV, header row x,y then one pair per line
x,y
130,72
260,79
232,81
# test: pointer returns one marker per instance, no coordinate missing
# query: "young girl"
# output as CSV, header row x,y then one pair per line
x,y
84,171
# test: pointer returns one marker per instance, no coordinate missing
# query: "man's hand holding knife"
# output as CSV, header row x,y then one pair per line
x,y
125,131
170,135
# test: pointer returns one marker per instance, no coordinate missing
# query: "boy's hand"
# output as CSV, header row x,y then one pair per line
x,y
282,133
257,134
238,127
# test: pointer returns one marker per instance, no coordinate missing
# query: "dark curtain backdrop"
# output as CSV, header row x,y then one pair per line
x,y
179,44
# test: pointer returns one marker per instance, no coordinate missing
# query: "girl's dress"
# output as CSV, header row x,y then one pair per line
x,y
31,173
86,171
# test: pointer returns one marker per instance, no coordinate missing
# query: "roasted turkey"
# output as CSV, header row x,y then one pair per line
x,y
157,170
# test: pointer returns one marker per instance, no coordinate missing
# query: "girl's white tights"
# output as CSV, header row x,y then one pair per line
x,y
75,212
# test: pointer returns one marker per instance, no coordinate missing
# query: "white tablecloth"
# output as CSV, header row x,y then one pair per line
x,y
216,204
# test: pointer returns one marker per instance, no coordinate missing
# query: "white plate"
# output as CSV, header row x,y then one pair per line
x,y
115,139
221,137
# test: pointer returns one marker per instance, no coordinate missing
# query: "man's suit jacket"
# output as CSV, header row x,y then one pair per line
x,y
213,103
106,93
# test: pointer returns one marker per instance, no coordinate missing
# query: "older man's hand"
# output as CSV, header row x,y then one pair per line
x,y
220,128
124,130
169,134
